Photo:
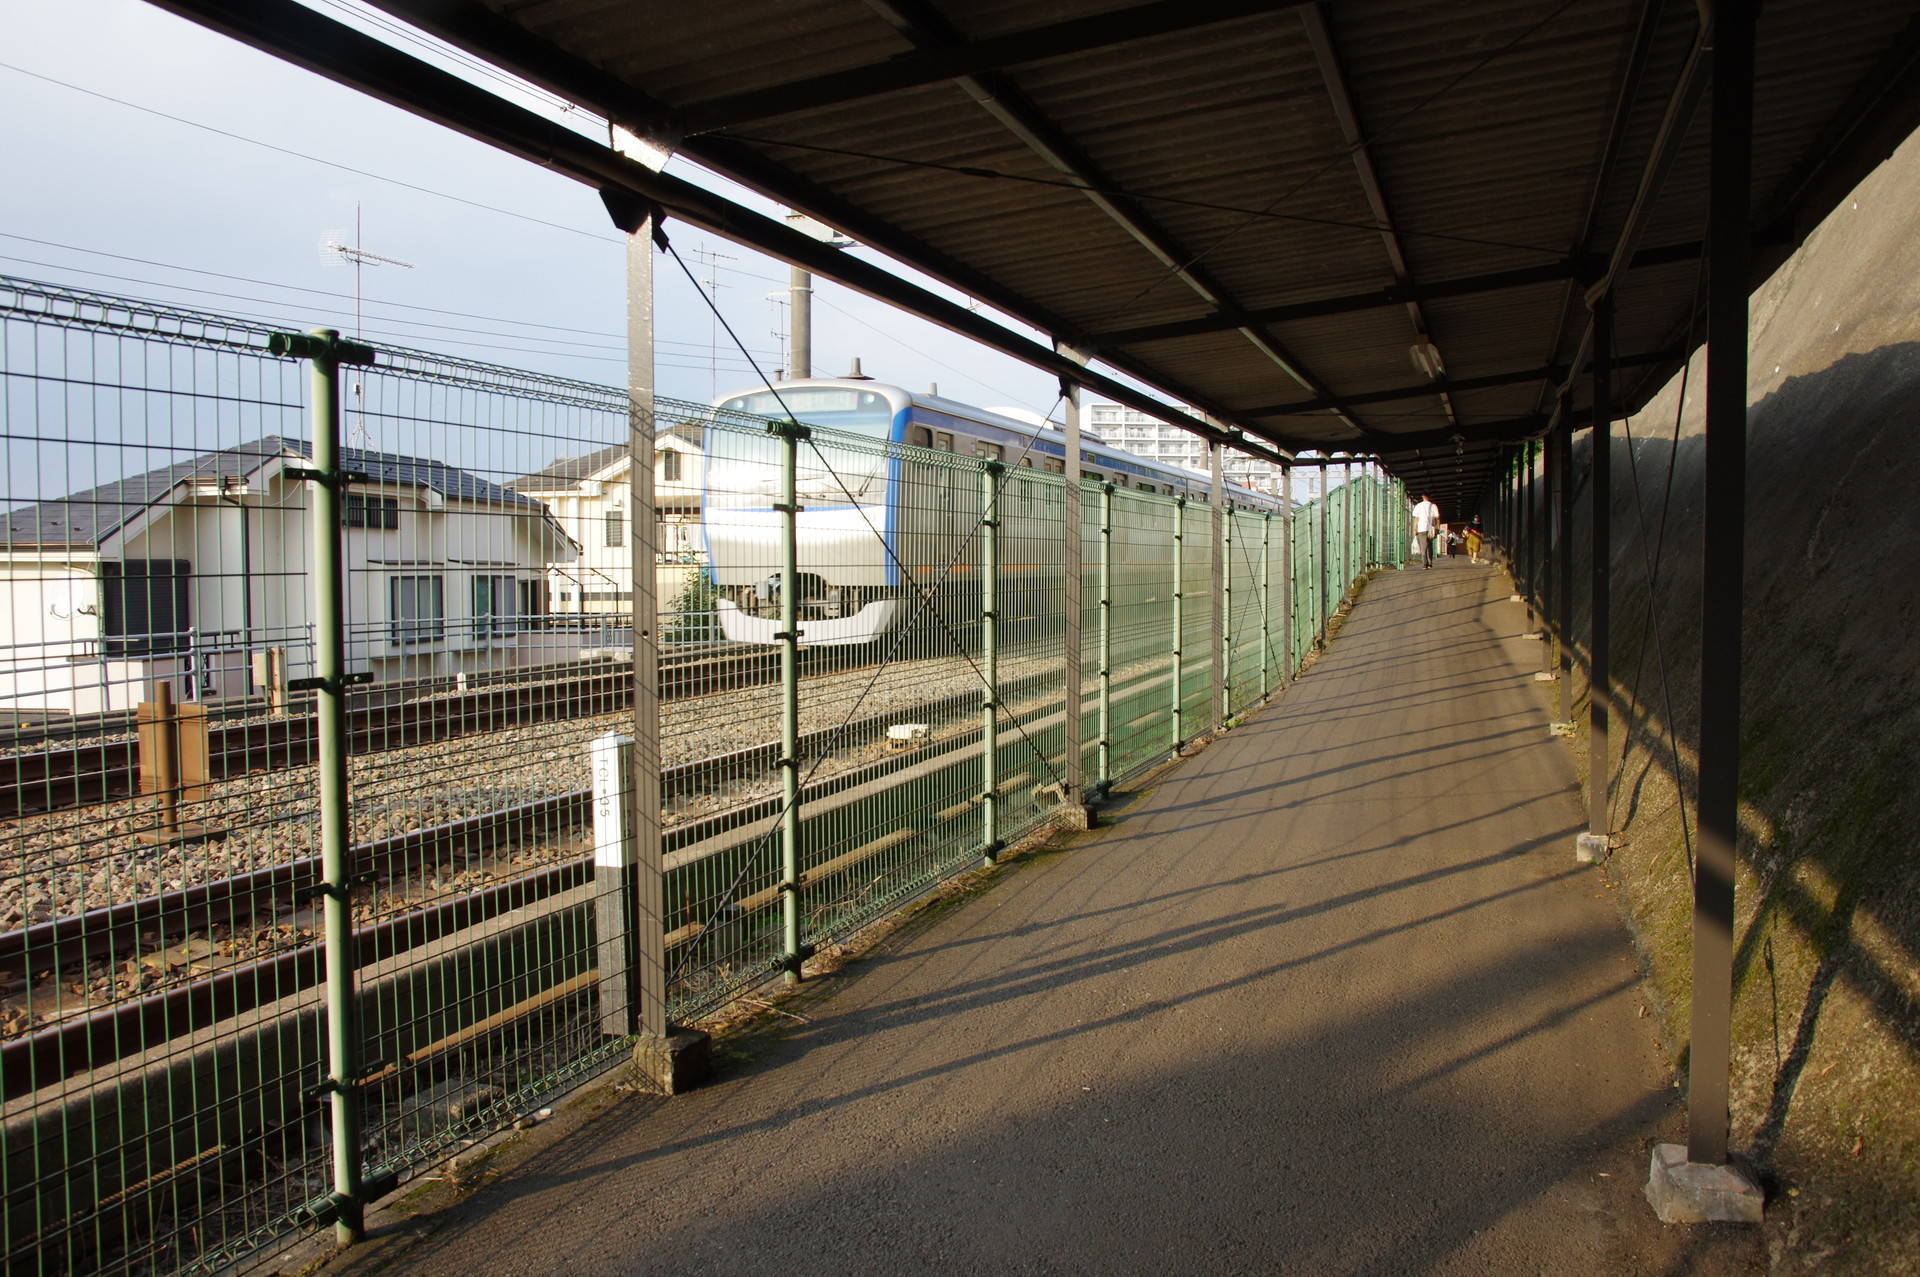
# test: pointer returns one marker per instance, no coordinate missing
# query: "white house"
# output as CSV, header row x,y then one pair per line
x,y
185,572
589,496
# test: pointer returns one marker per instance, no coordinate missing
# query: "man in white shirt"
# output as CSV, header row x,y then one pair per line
x,y
1426,520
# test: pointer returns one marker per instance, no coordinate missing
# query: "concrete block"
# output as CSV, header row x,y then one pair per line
x,y
1544,676
1684,1192
1565,727
680,1061
1591,849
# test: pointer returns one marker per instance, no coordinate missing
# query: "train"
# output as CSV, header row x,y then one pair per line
x,y
884,529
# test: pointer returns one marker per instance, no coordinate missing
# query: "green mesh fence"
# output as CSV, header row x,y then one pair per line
x,y
167,1006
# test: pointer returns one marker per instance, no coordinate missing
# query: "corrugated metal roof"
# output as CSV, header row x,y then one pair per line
x,y
949,133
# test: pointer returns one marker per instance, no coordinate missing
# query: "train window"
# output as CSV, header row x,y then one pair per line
x,y
920,436
1119,481
1145,487
1027,462
1056,466
988,451
1093,476
943,441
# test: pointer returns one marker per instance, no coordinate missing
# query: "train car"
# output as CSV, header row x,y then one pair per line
x,y
882,530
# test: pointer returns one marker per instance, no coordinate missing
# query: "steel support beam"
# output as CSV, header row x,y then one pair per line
x,y
1722,593
299,35
1519,376
931,65
1600,690
930,31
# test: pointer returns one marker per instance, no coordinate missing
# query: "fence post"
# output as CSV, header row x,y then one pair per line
x,y
325,352
1216,623
1179,614
790,433
1076,779
990,660
1286,573
1321,600
1266,602
1105,779
1225,650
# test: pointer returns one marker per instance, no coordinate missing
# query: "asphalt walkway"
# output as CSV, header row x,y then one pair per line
x,y
1330,997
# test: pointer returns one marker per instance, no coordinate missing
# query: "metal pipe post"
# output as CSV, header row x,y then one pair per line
x,y
1347,572
1729,249
1105,778
1563,616
790,433
1266,603
325,353
1217,597
1073,560
1323,569
990,479
1286,573
1599,750
1179,617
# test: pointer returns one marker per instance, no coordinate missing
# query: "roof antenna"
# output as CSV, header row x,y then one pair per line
x,y
334,251
854,373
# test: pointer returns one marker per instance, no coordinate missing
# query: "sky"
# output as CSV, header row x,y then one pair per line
x,y
508,263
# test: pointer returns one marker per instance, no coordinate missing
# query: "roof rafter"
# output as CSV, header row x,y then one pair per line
x,y
1556,372
920,23
956,60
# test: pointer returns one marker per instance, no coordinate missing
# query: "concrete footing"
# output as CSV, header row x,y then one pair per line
x,y
1684,1192
680,1061
1591,849
1565,727
1516,598
1544,676
1535,635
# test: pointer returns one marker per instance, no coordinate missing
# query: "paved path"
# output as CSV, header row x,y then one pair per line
x,y
1331,998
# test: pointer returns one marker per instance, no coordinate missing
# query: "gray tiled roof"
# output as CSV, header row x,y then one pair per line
x,y
90,517
570,472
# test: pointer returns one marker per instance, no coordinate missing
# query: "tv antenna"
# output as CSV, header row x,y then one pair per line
x,y
333,250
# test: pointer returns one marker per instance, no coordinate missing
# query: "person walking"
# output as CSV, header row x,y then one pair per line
x,y
1426,521
1475,539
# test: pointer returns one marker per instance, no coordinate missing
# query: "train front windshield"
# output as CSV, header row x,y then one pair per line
x,y
744,467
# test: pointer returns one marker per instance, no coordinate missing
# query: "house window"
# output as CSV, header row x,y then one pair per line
x,y
363,511
494,601
143,606
419,609
670,466
616,528
533,597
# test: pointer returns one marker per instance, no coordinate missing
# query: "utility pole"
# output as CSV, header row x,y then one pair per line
x,y
800,290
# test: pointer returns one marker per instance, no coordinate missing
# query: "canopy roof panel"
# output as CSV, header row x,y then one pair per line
x,y
1260,209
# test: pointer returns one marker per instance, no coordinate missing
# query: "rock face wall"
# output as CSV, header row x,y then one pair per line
x,y
1826,1070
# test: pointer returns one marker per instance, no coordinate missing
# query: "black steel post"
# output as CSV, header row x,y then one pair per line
x,y
1599,750
1721,587
1563,616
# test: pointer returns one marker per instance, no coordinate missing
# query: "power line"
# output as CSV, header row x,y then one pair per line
x,y
320,292
302,155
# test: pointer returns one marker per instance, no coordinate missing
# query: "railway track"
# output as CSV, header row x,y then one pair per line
x,y
122,933
84,774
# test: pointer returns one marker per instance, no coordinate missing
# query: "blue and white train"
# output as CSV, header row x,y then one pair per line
x,y
880,526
